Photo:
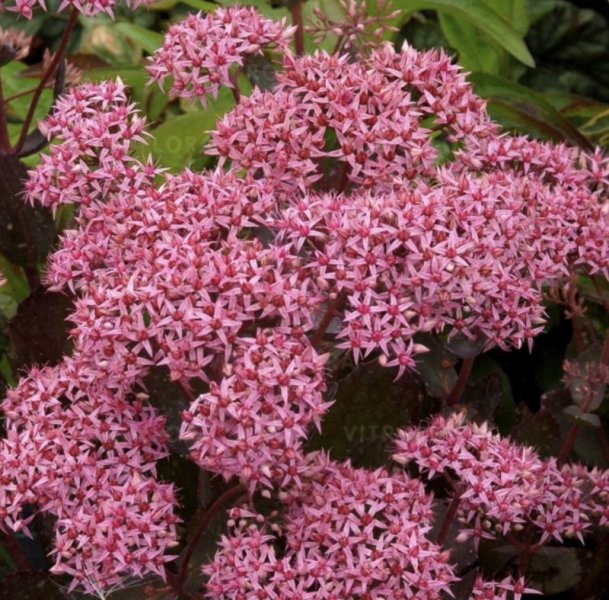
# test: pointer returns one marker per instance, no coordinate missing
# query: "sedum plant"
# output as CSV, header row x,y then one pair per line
x,y
362,206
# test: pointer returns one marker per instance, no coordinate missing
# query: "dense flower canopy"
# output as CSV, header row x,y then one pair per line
x,y
356,205
349,533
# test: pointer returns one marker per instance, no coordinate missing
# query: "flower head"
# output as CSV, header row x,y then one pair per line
x,y
201,53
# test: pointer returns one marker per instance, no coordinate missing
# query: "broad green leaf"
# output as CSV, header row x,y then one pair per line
x,y
515,12
525,110
146,39
15,81
489,394
17,282
106,40
175,142
131,76
476,50
163,5
598,127
6,371
200,5
478,13
8,304
436,368
585,418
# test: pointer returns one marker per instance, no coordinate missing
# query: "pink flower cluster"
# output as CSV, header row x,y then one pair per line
x,y
89,8
503,488
204,52
254,421
86,455
507,589
373,117
97,127
346,533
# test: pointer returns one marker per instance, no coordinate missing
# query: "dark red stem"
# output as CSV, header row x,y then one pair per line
x,y
208,515
575,428
296,11
5,144
47,75
448,519
464,373
333,308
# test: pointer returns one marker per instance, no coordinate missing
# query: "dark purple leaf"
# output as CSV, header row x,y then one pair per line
x,y
464,348
29,586
259,70
554,569
38,332
370,406
540,430
26,232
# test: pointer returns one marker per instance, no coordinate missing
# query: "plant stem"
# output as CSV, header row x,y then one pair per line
x,y
575,428
185,386
5,144
296,10
226,497
19,95
466,370
448,519
526,554
568,444
235,86
46,77
331,311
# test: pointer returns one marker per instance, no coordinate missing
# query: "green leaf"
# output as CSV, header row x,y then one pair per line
x,y
200,5
598,127
131,76
175,142
520,108
106,40
515,12
146,39
260,72
479,14
476,50
6,371
8,305
17,282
